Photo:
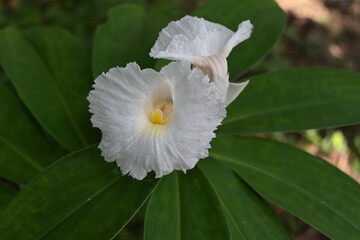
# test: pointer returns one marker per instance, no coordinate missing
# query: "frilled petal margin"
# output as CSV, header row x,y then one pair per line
x,y
155,121
204,44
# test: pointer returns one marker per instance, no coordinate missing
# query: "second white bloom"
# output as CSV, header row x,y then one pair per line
x,y
206,45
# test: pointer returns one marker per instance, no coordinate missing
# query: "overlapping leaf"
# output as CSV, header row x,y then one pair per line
x,y
303,184
185,207
127,36
243,207
50,70
6,194
24,149
210,202
295,99
80,189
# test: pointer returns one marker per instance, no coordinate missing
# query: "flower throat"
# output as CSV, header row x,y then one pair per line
x,y
162,113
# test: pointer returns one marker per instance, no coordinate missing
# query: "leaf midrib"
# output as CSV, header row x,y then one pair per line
x,y
80,206
225,206
61,97
290,184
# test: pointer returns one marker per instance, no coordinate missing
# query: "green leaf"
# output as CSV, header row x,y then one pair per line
x,y
6,194
295,99
185,207
24,150
268,20
305,185
80,189
51,72
127,36
243,207
115,206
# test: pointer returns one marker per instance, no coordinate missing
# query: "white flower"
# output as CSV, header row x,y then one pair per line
x,y
206,45
155,121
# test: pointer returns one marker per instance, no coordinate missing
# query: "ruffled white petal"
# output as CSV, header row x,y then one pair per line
x,y
234,90
204,44
189,38
244,31
121,106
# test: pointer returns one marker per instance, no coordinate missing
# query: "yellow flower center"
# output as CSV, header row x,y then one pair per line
x,y
162,113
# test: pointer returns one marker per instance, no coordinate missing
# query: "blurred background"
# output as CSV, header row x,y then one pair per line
x,y
318,33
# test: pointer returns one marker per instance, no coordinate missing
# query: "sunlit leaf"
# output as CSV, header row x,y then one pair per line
x,y
305,185
295,99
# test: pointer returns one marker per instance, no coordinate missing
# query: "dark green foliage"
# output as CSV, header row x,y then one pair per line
x,y
295,99
80,196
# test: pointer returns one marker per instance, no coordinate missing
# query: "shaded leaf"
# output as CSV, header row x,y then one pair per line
x,y
243,207
127,36
305,185
24,150
185,207
295,99
106,214
51,72
6,194
79,186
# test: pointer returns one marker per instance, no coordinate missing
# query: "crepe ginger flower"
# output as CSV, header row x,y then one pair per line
x,y
205,45
157,121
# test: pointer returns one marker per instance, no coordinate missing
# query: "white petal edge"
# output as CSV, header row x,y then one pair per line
x,y
189,38
234,90
117,101
244,31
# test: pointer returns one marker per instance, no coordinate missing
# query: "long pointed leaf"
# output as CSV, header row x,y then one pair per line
x,y
56,193
303,184
185,207
105,215
79,186
24,150
53,82
244,208
295,99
